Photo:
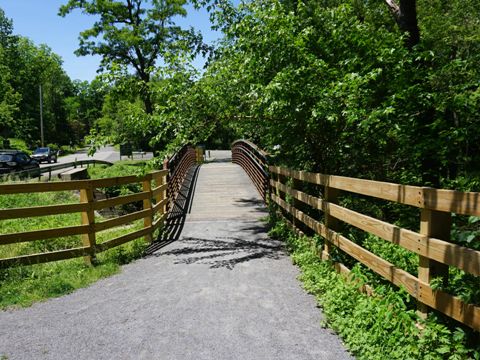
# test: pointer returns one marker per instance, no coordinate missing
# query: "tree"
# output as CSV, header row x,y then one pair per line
x,y
325,79
134,33
84,107
9,98
31,66
6,28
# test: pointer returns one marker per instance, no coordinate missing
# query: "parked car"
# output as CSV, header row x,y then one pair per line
x,y
12,161
45,154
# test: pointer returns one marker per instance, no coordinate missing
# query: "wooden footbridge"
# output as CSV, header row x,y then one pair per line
x,y
208,214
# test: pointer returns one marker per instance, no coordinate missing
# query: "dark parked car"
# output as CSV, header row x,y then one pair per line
x,y
45,154
14,161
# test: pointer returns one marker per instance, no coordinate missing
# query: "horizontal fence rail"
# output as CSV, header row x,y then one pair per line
x,y
436,253
153,198
254,161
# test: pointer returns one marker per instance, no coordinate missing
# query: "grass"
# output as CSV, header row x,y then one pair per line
x,y
25,285
19,144
120,168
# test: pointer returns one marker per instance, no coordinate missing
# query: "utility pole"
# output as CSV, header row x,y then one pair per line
x,y
41,115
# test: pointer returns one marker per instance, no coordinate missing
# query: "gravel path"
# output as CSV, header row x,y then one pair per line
x,y
223,291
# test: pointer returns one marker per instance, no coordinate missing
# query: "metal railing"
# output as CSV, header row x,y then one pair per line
x,y
255,163
178,165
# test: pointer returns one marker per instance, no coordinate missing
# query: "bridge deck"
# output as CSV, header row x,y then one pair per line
x,y
224,290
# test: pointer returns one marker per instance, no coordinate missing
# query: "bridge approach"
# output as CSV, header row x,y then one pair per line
x,y
216,287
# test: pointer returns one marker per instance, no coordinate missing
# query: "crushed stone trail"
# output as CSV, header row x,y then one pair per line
x,y
223,290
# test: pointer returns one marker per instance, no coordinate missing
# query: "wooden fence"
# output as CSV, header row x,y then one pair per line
x,y
153,196
431,243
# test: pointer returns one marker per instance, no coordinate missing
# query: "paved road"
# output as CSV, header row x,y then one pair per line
x,y
106,153
224,290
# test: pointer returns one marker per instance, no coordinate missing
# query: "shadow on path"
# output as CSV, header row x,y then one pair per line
x,y
256,204
226,252
177,215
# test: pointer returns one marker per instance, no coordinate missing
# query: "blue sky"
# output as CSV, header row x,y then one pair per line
x,y
38,20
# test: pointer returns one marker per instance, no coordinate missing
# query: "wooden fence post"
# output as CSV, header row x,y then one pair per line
x,y
435,224
167,181
332,223
297,185
147,204
88,218
282,179
199,155
158,182
165,193
274,190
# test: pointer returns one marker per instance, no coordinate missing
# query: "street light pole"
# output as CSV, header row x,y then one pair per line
x,y
41,114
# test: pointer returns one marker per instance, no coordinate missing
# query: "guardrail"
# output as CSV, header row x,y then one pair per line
x,y
431,243
255,163
49,169
153,197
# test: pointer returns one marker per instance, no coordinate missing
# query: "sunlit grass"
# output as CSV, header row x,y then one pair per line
x,y
22,286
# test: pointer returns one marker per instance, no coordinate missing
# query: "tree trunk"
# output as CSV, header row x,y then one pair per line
x,y
405,15
407,21
147,101
406,18
145,92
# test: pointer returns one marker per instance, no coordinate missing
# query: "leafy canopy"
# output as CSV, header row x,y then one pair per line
x,y
134,34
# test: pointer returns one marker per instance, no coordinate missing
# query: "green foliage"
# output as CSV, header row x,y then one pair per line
x,y
19,144
393,253
36,66
23,67
185,113
333,84
121,168
466,231
372,326
84,107
313,81
9,98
